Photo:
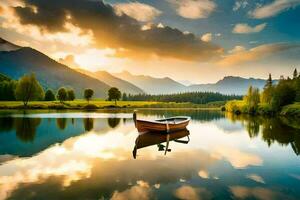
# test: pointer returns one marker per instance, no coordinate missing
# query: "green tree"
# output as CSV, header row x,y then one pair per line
x,y
124,97
88,94
267,93
62,94
49,95
284,94
295,74
114,94
252,99
71,95
28,89
7,90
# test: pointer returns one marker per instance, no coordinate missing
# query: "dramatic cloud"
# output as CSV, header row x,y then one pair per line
x,y
240,55
194,9
110,30
139,11
274,8
206,37
245,28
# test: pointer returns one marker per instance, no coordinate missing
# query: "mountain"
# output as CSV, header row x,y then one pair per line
x,y
7,46
123,86
50,73
230,85
152,85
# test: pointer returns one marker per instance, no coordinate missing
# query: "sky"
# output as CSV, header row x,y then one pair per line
x,y
192,41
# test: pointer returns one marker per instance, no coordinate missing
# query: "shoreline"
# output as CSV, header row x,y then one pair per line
x,y
105,105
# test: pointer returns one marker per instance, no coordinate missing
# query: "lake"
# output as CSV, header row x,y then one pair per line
x,y
98,155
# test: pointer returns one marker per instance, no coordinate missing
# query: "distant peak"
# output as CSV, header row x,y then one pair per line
x,y
7,46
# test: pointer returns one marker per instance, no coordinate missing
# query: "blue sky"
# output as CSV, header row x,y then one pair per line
x,y
208,39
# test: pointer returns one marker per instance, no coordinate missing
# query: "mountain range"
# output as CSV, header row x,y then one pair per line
x,y
152,85
15,61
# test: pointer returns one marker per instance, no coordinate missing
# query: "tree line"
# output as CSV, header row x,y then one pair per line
x,y
192,97
28,88
273,97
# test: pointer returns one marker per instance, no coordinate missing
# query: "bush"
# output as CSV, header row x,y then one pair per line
x,y
223,108
90,107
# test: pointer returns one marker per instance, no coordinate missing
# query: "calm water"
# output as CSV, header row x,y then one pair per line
x,y
100,156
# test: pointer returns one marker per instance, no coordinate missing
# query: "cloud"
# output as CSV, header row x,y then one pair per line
x,y
242,192
69,60
141,191
139,11
245,28
206,37
191,193
194,9
237,158
274,8
203,174
110,30
256,178
237,49
243,56
240,4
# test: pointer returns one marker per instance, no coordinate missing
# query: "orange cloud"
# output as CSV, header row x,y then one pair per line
x,y
240,55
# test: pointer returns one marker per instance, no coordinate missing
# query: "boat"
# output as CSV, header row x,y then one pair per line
x,y
161,125
157,138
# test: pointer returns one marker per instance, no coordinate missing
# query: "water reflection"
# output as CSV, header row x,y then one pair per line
x,y
220,157
155,138
88,124
272,130
113,122
61,123
26,128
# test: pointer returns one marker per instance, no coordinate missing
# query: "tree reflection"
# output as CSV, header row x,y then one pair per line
x,y
26,128
284,131
61,123
6,124
113,122
88,124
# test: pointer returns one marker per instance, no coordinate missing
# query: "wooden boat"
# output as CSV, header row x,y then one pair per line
x,y
161,125
157,138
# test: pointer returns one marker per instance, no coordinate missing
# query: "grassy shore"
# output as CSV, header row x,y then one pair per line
x,y
239,107
101,104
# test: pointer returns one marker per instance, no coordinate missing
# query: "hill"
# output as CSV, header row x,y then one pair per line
x,y
152,85
50,73
124,86
230,85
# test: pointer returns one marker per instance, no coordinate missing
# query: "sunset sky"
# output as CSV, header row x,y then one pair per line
x,y
198,41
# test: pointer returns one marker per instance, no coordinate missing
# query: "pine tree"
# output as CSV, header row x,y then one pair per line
x,y
295,74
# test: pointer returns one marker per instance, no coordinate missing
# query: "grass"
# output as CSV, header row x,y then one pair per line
x,y
101,104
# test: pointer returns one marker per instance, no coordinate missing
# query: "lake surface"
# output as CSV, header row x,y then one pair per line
x,y
101,156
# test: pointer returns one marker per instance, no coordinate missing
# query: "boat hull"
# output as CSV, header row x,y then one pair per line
x,y
160,126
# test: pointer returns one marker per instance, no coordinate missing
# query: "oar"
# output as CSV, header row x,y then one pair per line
x,y
167,145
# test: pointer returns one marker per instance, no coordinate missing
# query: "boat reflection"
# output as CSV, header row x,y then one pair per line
x,y
158,138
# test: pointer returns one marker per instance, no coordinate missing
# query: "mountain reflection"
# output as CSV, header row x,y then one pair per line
x,y
156,138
